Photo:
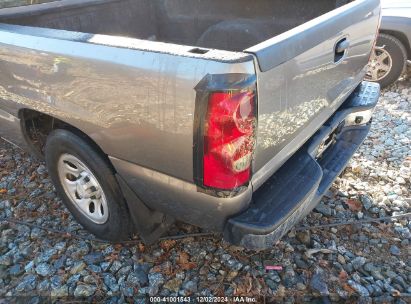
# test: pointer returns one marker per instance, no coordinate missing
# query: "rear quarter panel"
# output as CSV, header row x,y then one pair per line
x,y
137,105
398,24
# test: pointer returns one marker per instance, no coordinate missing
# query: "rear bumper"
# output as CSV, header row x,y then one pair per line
x,y
296,188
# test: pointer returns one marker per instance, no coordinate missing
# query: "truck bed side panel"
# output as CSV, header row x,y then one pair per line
x,y
137,105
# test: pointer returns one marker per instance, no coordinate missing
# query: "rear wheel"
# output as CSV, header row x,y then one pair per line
x,y
87,185
387,60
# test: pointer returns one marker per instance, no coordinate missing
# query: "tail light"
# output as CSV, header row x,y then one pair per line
x,y
229,139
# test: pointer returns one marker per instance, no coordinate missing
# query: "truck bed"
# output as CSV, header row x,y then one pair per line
x,y
232,25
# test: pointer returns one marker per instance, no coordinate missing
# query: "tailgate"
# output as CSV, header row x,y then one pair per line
x,y
304,75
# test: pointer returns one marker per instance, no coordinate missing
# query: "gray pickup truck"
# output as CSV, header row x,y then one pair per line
x,y
235,116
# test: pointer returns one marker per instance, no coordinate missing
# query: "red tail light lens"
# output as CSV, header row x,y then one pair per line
x,y
229,139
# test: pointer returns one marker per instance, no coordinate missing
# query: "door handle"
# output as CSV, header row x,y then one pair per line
x,y
342,45
340,49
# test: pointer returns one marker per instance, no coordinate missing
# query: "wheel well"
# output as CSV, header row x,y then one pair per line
x,y
37,126
402,38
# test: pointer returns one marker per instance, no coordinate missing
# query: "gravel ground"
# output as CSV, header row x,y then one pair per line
x,y
368,262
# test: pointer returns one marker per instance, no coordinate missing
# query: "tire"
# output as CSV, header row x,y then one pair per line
x,y
114,224
398,57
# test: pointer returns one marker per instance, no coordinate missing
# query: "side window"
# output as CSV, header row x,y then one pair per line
x,y
14,3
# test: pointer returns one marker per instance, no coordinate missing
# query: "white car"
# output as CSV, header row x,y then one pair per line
x,y
393,47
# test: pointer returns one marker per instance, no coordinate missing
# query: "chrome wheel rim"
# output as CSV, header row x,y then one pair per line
x,y
380,64
82,188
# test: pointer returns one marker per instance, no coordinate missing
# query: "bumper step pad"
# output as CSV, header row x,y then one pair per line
x,y
297,187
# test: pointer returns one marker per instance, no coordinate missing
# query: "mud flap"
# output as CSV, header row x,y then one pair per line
x,y
148,223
